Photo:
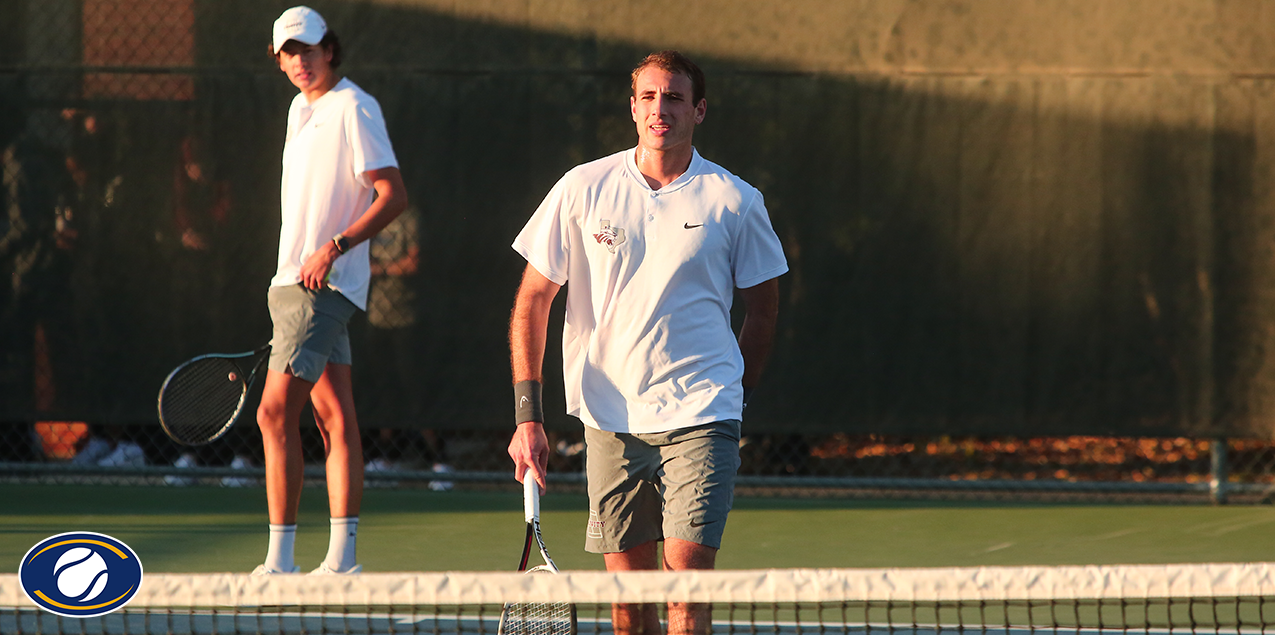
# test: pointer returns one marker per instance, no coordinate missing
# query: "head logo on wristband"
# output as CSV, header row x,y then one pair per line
x,y
528,405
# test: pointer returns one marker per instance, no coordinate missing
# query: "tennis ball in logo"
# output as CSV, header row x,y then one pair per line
x,y
81,573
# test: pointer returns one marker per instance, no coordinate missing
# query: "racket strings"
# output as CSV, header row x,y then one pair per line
x,y
201,399
538,618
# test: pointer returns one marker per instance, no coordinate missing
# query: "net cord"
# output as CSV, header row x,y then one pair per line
x,y
743,586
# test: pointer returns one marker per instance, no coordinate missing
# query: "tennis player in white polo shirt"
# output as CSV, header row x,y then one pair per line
x,y
652,243
336,158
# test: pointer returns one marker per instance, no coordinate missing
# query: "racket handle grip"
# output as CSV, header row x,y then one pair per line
x,y
530,497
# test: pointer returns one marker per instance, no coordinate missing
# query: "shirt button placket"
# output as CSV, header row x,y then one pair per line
x,y
651,204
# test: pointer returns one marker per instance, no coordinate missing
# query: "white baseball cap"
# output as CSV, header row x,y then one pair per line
x,y
302,24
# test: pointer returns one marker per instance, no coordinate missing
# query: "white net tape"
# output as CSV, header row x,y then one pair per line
x,y
744,586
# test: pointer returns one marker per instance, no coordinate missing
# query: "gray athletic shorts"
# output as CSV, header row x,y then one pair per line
x,y
309,330
645,487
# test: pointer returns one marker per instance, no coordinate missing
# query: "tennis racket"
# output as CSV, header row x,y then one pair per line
x,y
203,397
536,618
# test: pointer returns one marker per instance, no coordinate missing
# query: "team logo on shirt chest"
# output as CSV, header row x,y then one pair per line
x,y
610,236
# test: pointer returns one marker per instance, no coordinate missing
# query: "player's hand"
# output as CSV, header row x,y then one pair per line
x,y
530,451
315,269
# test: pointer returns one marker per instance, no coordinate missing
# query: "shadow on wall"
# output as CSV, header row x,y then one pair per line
x,y
1010,254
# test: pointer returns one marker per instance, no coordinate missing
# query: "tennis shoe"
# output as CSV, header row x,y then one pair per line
x,y
324,569
379,465
262,570
183,461
239,463
438,485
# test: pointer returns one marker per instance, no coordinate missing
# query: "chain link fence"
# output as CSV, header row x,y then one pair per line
x,y
998,468
140,145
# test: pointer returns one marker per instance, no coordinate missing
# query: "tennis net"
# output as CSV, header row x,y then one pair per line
x,y
1213,598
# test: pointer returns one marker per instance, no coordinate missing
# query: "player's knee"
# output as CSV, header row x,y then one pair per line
x,y
336,426
681,555
271,417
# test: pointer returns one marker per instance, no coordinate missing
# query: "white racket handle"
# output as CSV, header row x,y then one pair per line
x,y
530,497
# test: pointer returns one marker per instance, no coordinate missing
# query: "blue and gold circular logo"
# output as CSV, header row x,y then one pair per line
x,y
80,574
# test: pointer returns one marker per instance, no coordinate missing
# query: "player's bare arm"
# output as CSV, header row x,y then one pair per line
x,y
761,311
528,329
391,200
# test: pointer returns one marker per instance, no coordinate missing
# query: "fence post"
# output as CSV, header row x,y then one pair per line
x,y
1217,470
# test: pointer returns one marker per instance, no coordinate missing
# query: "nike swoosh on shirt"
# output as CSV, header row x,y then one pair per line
x,y
690,226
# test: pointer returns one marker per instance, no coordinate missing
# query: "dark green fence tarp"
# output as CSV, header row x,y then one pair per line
x,y
993,226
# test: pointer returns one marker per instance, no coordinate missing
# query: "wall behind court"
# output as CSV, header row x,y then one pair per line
x,y
1002,217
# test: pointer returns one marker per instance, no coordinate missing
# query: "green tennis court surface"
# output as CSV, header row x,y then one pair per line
x,y
200,529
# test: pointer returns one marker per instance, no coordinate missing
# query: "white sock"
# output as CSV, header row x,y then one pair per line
x,y
341,544
279,554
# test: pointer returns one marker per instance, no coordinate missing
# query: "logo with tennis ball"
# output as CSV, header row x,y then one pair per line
x,y
80,574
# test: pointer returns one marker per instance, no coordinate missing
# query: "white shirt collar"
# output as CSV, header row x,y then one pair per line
x,y
630,162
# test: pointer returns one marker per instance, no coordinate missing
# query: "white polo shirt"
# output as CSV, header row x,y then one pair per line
x,y
647,345
330,146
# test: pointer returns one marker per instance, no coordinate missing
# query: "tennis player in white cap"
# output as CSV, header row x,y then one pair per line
x,y
341,185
